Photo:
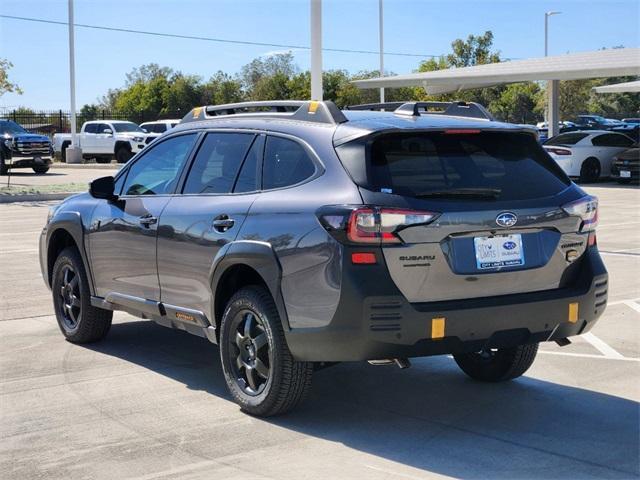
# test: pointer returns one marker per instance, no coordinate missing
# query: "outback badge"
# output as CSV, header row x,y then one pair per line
x,y
506,219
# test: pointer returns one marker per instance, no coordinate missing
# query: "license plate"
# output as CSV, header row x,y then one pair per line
x,y
499,251
625,174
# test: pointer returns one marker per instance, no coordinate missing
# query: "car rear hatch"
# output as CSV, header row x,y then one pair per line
x,y
468,212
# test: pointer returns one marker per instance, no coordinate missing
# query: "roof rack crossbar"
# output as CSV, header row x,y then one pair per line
x,y
308,111
457,109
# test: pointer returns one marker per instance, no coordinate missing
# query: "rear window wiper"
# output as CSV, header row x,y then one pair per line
x,y
490,193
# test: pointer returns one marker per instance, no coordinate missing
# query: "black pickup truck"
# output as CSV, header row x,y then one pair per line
x,y
21,149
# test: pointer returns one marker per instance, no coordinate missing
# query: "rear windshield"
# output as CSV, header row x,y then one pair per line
x,y
510,166
566,139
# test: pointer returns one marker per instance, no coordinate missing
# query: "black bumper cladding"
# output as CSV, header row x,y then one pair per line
x,y
387,326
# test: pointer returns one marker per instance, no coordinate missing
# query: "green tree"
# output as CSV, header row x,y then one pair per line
x,y
221,88
519,103
266,78
7,86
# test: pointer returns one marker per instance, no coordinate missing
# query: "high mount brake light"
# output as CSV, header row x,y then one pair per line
x,y
461,131
379,225
585,208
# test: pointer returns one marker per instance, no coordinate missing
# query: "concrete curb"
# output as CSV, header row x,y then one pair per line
x,y
89,166
35,197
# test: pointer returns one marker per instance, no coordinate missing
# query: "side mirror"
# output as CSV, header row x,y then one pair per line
x,y
103,188
145,130
108,131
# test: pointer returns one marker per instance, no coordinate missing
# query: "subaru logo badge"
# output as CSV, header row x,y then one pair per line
x,y
506,219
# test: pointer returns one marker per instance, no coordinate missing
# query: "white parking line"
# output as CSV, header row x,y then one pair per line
x,y
601,346
609,225
588,355
626,302
632,304
619,254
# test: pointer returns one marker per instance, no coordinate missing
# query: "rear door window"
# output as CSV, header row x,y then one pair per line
x,y
91,128
566,139
217,163
286,163
249,177
510,166
612,140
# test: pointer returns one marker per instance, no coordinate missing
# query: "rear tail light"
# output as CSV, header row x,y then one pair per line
x,y
558,151
371,225
380,225
587,209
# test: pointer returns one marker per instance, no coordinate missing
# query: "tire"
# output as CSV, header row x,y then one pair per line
x,y
79,321
590,170
3,168
498,365
63,152
123,155
41,169
103,160
277,383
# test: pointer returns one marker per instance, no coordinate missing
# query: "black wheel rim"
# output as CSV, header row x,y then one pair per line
x,y
592,171
249,353
69,305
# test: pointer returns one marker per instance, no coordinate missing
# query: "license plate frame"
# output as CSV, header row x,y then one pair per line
x,y
499,251
625,174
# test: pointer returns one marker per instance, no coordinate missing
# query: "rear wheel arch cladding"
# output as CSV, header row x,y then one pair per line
x,y
256,256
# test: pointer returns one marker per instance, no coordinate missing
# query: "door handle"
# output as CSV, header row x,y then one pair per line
x,y
222,223
148,220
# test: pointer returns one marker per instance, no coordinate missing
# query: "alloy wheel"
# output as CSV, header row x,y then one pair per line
x,y
69,306
250,354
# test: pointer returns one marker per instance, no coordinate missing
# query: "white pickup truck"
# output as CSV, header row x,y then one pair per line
x,y
104,140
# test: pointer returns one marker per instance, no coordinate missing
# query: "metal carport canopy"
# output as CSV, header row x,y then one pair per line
x,y
572,66
619,87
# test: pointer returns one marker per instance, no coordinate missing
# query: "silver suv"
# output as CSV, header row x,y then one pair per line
x,y
295,235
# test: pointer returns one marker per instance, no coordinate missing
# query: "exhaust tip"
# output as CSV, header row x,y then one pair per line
x,y
401,363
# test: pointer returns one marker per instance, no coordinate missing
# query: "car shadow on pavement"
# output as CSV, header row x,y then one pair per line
x,y
430,417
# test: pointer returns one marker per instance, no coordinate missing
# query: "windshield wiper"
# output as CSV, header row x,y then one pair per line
x,y
489,193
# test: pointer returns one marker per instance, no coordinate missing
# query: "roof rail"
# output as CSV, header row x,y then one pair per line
x,y
388,106
456,109
306,111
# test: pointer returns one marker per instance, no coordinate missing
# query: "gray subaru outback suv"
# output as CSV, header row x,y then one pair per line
x,y
295,235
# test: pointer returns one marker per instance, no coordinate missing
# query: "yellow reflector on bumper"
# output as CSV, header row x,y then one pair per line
x,y
437,327
573,312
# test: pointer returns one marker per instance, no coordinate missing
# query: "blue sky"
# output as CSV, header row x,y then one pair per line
x,y
39,51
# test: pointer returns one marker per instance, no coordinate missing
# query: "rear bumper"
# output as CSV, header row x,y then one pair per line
x,y
634,170
367,327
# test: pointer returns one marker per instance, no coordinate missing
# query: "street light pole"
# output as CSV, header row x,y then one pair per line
x,y
316,49
73,154
552,86
381,35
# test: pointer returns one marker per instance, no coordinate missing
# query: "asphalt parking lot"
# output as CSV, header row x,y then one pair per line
x,y
150,403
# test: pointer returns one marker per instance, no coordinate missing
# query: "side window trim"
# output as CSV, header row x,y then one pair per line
x,y
125,171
